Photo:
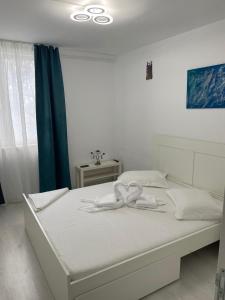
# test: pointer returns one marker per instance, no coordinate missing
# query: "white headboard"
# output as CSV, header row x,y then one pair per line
x,y
194,162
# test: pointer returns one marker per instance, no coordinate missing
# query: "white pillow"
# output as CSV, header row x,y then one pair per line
x,y
145,178
194,204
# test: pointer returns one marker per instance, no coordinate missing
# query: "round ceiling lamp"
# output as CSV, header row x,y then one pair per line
x,y
95,9
80,17
103,19
96,13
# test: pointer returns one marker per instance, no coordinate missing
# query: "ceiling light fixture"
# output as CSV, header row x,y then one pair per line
x,y
95,9
95,12
103,19
80,17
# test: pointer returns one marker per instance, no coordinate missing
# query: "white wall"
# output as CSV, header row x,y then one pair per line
x,y
122,119
88,87
144,108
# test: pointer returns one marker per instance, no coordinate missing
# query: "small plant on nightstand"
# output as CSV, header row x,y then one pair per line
x,y
97,155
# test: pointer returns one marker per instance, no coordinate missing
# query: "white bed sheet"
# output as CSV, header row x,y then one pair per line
x,y
89,242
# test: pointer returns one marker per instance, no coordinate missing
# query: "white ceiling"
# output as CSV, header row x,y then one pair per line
x,y
136,22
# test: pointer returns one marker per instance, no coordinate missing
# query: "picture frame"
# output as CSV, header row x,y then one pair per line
x,y
206,87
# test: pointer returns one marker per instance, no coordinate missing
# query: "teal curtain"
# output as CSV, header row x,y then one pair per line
x,y
51,120
2,201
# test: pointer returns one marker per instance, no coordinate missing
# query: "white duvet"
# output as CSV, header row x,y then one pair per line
x,y
87,243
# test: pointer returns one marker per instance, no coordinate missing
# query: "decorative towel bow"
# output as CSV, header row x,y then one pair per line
x,y
127,192
130,195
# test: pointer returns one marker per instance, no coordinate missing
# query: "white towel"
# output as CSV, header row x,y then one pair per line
x,y
40,201
130,195
134,192
147,202
111,201
127,192
107,202
119,189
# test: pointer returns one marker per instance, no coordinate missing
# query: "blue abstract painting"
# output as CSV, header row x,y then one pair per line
x,y
206,87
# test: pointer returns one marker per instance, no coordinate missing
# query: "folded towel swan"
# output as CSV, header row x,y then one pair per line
x,y
107,202
130,195
135,193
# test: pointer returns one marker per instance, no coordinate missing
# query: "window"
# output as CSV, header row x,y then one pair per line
x,y
19,113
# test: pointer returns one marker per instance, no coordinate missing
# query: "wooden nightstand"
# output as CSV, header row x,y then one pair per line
x,y
90,174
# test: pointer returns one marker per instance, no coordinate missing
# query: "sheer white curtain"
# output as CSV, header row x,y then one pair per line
x,y
18,139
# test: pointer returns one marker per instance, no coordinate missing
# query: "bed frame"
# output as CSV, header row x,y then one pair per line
x,y
191,162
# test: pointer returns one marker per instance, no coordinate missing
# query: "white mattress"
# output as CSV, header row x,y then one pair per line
x,y
89,242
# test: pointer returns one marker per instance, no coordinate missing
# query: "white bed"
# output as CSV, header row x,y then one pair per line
x,y
127,253
90,242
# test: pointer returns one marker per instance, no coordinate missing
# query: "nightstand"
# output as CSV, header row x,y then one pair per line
x,y
89,174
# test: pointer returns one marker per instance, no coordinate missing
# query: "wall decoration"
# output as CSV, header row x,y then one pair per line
x,y
206,87
149,74
97,155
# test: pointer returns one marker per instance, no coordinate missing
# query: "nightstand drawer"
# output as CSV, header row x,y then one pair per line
x,y
90,174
